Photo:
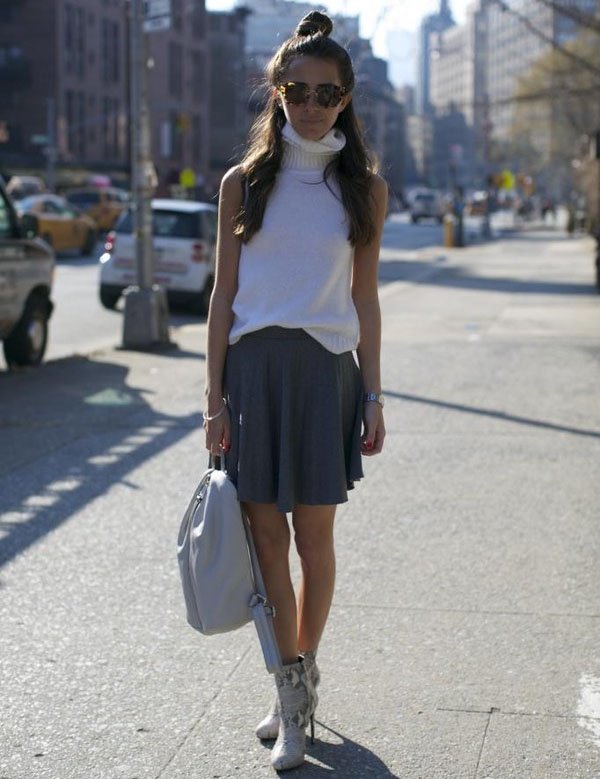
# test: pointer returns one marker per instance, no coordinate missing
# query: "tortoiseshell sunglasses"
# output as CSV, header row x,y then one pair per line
x,y
298,93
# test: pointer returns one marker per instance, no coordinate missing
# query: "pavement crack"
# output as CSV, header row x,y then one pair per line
x,y
205,711
482,612
485,732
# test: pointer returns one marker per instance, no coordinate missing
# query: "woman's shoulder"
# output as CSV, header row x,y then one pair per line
x,y
231,190
233,179
378,186
379,190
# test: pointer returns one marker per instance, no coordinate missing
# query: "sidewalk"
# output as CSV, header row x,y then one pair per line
x,y
464,640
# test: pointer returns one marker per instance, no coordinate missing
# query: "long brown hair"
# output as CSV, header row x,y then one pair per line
x,y
353,166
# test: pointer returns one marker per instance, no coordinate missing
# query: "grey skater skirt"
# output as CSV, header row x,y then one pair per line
x,y
296,417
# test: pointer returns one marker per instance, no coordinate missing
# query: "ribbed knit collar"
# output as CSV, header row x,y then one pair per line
x,y
300,152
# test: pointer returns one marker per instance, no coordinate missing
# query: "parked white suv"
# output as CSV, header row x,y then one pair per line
x,y
26,271
184,240
426,205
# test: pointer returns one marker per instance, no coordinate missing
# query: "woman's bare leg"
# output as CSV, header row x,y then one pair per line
x,y
271,535
313,527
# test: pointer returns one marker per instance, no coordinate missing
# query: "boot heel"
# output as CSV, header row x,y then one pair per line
x,y
312,728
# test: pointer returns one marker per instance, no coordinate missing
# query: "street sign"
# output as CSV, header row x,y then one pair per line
x,y
157,15
39,140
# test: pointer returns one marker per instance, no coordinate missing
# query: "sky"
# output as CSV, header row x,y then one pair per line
x,y
377,19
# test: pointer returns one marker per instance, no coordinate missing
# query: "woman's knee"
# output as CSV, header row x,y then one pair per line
x,y
315,550
270,532
313,535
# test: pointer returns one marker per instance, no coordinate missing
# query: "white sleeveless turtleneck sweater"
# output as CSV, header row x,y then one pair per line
x,y
296,271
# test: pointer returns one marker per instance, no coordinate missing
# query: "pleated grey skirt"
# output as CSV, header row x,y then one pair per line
x,y
296,417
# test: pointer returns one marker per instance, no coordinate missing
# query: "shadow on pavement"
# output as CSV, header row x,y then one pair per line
x,y
489,412
71,430
458,277
408,270
347,760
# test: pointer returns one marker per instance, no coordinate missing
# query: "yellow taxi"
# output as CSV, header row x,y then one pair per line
x,y
61,225
103,204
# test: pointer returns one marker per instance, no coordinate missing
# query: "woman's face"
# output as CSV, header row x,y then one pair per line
x,y
310,119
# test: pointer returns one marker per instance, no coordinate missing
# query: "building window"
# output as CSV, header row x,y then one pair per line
x,y
199,20
176,136
198,75
80,41
175,70
74,40
76,123
176,14
110,46
197,142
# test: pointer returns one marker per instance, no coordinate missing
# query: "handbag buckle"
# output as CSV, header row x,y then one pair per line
x,y
257,598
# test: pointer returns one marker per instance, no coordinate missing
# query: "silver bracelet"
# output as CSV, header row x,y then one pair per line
x,y
205,416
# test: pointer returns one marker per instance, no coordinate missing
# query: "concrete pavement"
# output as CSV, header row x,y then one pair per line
x,y
465,633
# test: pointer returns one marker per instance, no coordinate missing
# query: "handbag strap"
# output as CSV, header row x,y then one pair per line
x,y
259,584
217,462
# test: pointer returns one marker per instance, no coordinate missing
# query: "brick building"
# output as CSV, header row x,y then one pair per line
x,y
64,76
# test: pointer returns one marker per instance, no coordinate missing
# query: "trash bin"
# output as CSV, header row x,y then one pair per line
x,y
449,230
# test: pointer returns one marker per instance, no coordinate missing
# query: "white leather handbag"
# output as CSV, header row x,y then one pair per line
x,y
222,584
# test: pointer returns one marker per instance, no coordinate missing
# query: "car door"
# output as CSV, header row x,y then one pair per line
x,y
53,224
24,265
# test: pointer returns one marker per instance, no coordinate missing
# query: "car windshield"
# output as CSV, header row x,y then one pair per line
x,y
166,224
83,198
426,198
28,202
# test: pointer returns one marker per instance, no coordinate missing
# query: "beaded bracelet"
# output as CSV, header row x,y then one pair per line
x,y
218,414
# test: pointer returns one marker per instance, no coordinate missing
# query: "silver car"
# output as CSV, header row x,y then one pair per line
x,y
426,205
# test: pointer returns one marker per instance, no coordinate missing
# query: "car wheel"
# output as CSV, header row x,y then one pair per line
x,y
440,220
90,243
414,219
27,342
48,238
201,307
109,298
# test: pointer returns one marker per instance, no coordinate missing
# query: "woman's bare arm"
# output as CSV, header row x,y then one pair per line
x,y
366,300
220,315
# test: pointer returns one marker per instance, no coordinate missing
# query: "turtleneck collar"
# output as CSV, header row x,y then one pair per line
x,y
300,152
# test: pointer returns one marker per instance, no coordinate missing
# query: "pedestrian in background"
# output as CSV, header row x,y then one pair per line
x,y
300,222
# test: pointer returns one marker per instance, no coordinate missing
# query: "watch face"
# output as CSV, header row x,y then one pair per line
x,y
374,396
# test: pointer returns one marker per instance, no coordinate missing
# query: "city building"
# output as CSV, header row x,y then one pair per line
x,y
229,116
434,23
179,93
64,72
419,143
457,99
380,112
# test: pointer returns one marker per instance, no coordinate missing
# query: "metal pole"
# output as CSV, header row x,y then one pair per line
x,y
50,144
145,320
144,187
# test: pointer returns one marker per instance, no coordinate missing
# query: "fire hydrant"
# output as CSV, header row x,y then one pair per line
x,y
449,228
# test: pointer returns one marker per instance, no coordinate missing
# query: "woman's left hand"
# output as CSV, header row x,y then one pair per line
x,y
374,429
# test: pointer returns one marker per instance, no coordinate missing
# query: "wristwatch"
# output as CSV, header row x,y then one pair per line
x,y
376,397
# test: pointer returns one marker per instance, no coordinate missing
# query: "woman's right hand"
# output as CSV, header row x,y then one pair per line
x,y
218,433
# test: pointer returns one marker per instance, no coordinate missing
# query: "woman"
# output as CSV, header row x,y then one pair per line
x,y
300,222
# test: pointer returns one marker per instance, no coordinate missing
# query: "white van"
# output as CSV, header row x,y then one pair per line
x,y
184,240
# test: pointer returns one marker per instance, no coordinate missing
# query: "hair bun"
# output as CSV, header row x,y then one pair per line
x,y
314,23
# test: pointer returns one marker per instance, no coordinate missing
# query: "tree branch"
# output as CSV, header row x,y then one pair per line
x,y
589,21
547,38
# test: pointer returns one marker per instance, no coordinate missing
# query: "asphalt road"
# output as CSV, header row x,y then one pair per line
x,y
464,639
